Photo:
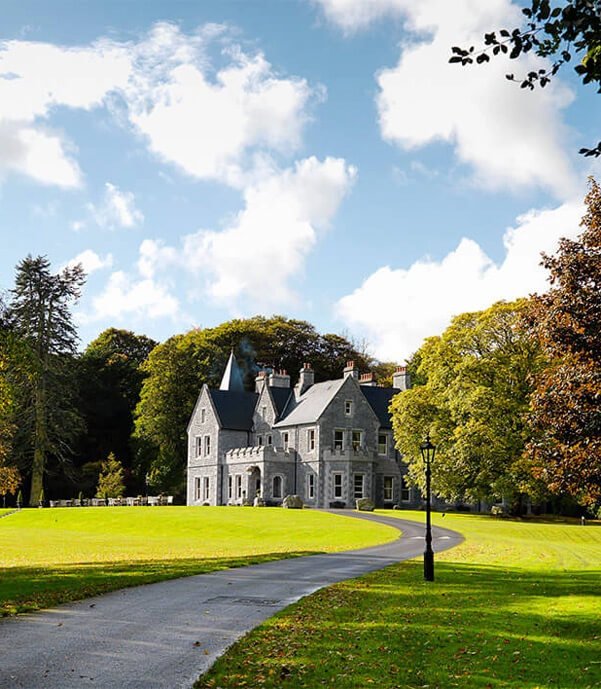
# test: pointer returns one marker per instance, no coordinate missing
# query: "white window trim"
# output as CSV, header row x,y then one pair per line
x,y
238,486
230,487
311,487
207,445
197,488
348,404
362,476
385,453
206,488
285,439
361,437
198,446
405,487
391,498
338,430
310,440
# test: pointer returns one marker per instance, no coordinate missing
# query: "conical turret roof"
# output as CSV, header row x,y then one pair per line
x,y
232,376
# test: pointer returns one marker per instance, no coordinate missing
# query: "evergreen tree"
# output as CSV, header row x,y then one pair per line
x,y
111,482
40,316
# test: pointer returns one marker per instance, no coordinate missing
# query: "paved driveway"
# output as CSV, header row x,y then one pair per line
x,y
163,636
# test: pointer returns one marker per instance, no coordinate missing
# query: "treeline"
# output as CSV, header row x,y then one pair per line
x,y
72,424
511,396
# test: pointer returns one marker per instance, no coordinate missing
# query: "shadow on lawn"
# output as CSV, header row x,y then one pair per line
x,y
481,627
24,589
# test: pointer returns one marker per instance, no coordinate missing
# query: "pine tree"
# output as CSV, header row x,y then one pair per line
x,y
111,483
40,316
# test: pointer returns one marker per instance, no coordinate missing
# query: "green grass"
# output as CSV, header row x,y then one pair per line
x,y
54,555
516,606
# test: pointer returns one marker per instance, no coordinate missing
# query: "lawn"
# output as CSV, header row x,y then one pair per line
x,y
517,605
54,555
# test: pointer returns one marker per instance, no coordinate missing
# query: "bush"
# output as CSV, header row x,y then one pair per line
x,y
365,505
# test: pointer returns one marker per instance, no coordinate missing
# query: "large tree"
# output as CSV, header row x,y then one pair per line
x,y
566,448
110,380
41,318
474,401
561,31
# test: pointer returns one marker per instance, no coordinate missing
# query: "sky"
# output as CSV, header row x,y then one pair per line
x,y
318,159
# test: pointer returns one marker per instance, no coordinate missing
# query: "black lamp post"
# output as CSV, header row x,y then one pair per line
x,y
428,451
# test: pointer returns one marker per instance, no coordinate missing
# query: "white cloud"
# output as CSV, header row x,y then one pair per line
x,y
511,138
265,246
154,256
207,120
118,209
35,78
397,308
90,261
126,296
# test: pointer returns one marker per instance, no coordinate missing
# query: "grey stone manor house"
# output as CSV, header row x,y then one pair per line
x,y
330,443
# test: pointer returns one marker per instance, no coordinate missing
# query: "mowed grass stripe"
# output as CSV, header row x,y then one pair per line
x,y
55,555
517,605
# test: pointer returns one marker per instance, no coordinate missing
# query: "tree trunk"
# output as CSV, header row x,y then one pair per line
x,y
40,444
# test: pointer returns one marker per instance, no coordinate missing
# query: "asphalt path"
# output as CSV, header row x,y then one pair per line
x,y
165,635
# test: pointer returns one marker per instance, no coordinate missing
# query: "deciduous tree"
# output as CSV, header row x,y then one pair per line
x,y
566,447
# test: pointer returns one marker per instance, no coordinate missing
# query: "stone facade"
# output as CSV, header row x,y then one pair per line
x,y
330,443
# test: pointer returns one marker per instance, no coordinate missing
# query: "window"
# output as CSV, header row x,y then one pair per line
x,y
230,487
357,440
337,485
197,488
269,440
388,488
259,440
198,446
258,486
203,415
339,440
206,482
277,487
207,445
238,486
404,490
348,407
311,439
311,486
382,444
264,412
285,440
358,485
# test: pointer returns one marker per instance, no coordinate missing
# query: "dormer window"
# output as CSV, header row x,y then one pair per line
x,y
348,408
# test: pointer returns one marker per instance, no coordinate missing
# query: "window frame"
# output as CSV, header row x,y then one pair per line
x,y
337,486
206,488
203,415
238,486
285,439
341,431
207,445
348,407
385,436
358,475
197,487
405,491
357,445
311,487
280,479
310,440
385,489
198,446
230,487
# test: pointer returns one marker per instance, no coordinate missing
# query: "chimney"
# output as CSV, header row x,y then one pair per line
x,y
279,379
306,379
367,379
401,379
260,381
350,370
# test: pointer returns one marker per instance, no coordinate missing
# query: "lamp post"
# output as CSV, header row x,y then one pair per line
x,y
428,451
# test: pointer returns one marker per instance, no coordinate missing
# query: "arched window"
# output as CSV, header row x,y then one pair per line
x,y
277,487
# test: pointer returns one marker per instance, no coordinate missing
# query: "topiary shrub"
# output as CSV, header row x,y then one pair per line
x,y
365,505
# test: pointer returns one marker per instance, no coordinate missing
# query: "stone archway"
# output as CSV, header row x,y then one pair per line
x,y
255,486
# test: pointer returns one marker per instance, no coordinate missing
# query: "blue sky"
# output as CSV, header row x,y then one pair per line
x,y
316,158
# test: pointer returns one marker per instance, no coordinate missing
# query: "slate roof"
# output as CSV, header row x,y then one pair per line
x,y
379,399
234,408
232,377
280,398
311,404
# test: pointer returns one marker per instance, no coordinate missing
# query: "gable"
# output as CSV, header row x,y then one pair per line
x,y
234,409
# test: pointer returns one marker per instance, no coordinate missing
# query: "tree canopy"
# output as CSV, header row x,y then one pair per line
x,y
560,31
566,406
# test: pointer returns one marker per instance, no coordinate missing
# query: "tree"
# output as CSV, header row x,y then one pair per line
x,y
111,482
10,480
474,401
110,380
41,319
571,28
566,406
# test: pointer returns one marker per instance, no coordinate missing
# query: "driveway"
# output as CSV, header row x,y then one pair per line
x,y
165,635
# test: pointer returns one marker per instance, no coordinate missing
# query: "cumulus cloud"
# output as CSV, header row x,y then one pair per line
x,y
90,261
257,255
508,137
209,121
125,295
118,209
397,308
35,78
